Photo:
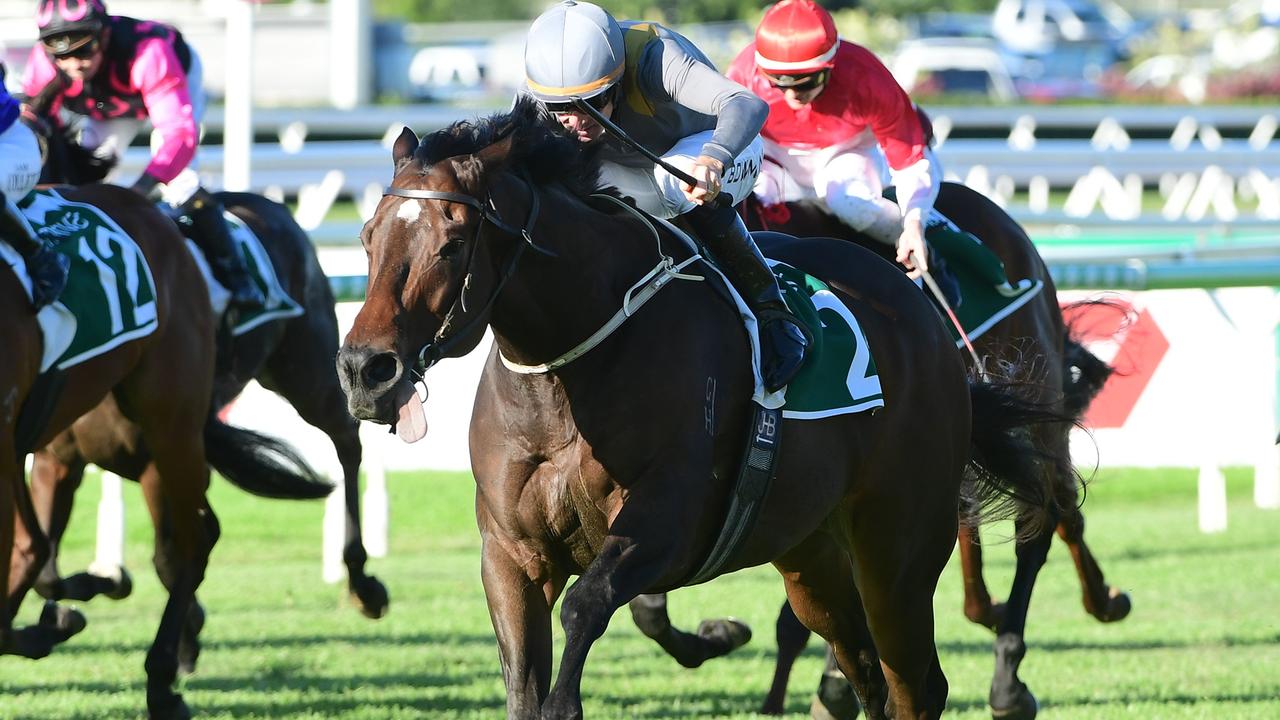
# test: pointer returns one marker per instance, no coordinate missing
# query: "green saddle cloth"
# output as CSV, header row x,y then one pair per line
x,y
986,295
839,374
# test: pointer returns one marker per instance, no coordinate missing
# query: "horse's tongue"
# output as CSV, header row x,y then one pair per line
x,y
411,423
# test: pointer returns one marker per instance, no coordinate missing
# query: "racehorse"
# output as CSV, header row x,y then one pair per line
x,y
162,381
292,356
616,466
1071,377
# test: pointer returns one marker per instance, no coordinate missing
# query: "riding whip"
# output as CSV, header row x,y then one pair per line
x,y
720,200
946,307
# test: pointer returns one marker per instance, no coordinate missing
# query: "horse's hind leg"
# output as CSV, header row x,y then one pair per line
x,y
978,607
791,636
301,371
713,638
1104,602
823,596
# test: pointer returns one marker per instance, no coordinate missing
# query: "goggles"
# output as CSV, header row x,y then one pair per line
x,y
799,83
599,102
65,46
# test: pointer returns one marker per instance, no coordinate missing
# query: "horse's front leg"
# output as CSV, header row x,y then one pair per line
x,y
633,558
520,609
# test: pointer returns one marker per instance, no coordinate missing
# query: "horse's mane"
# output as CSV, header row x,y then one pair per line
x,y
539,148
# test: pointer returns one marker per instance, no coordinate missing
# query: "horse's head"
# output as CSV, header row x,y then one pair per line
x,y
423,249
441,243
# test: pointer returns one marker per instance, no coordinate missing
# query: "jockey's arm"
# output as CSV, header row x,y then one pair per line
x,y
699,87
41,79
158,74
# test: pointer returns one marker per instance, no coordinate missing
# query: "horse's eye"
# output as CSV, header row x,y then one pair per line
x,y
451,249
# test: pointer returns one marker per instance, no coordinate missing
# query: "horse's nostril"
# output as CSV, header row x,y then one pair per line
x,y
380,369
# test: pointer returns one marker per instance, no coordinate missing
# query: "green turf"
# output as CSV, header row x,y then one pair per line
x,y
1203,639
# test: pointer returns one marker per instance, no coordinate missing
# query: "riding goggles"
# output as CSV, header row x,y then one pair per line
x,y
599,102
80,47
799,83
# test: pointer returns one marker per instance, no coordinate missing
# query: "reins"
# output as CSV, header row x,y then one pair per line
x,y
435,350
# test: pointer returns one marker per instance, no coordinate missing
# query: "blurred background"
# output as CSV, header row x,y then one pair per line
x,y
1175,51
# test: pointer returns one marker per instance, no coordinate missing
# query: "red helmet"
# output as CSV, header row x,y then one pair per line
x,y
796,37
70,17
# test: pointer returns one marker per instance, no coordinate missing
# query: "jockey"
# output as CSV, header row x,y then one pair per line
x,y
663,92
836,115
19,171
121,73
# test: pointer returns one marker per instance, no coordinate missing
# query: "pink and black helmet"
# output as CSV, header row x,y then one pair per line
x,y
70,18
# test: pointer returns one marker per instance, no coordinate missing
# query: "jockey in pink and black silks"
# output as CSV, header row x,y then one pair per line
x,y
119,74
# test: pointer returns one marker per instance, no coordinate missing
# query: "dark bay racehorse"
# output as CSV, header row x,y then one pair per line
x,y
1069,378
292,357
163,383
618,465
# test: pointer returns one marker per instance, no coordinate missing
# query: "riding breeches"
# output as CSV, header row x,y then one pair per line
x,y
19,161
661,194
108,139
850,178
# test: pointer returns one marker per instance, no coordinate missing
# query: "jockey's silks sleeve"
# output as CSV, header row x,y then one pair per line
x,y
668,73
8,110
163,85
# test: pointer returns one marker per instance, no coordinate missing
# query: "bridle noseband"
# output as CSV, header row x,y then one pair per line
x,y
435,350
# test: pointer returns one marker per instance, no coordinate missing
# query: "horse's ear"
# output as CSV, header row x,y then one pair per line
x,y
495,156
404,146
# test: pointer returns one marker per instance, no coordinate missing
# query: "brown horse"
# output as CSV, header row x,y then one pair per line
x,y
618,466
293,357
162,382
1070,377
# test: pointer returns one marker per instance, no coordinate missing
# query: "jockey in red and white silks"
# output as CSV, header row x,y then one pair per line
x,y
839,127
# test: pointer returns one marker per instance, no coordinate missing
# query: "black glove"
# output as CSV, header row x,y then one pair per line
x,y
148,187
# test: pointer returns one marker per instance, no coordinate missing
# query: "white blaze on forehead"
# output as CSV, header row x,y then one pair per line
x,y
409,210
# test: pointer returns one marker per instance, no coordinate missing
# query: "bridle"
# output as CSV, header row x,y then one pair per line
x,y
439,346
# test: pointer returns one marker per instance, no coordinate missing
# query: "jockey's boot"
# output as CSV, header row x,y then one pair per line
x,y
221,251
945,279
783,339
47,268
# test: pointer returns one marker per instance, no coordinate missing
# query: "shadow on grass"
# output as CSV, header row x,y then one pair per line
x,y
77,646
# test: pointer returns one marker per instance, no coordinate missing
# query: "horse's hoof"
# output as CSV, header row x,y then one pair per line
x,y
723,636
123,584
835,706
172,708
370,597
771,706
64,622
1118,606
1024,707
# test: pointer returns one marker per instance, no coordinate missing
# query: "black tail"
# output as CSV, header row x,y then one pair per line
x,y
1008,473
262,465
1083,374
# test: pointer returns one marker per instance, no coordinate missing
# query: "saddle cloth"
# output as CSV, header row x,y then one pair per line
x,y
839,374
110,295
261,270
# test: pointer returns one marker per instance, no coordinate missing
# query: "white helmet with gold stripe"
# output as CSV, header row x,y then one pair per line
x,y
575,49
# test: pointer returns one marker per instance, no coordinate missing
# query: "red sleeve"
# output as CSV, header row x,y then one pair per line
x,y
885,107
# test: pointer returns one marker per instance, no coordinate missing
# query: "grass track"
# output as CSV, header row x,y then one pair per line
x,y
1203,639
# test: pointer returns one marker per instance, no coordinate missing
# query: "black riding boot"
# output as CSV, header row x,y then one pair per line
x,y
947,282
220,249
47,268
784,342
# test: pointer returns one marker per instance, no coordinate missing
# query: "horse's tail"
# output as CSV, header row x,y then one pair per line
x,y
1009,474
262,465
1083,373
